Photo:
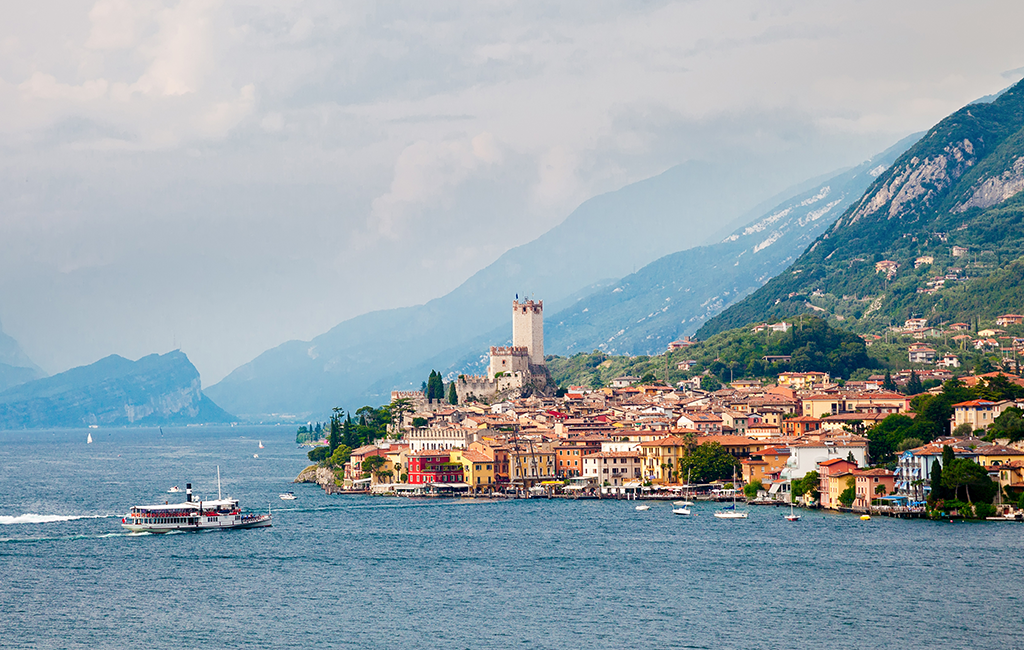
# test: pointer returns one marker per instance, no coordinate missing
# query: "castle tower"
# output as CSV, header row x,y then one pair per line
x,y
528,328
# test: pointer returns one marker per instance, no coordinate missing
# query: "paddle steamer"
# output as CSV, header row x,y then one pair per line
x,y
219,514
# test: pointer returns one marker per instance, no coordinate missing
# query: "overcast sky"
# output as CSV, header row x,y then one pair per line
x,y
225,176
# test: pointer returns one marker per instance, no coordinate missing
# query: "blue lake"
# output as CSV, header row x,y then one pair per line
x,y
362,572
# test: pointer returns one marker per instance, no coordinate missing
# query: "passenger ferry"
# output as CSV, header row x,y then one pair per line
x,y
219,514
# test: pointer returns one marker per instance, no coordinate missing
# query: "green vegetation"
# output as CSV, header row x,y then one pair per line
x,y
811,343
453,395
807,485
435,387
345,433
751,489
309,433
1009,424
707,462
837,276
847,496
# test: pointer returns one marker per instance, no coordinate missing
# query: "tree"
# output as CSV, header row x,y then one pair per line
x,y
914,384
751,489
453,394
435,386
1009,424
396,411
373,464
335,438
963,430
888,383
847,496
807,485
938,492
710,461
340,456
880,490
710,383
419,423
319,454
965,473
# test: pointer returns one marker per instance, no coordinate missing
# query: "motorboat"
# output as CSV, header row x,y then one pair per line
x,y
174,489
288,496
644,507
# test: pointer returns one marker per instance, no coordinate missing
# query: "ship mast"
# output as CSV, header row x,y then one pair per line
x,y
218,483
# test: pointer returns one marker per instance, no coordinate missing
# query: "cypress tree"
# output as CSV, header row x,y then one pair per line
x,y
914,385
335,438
453,395
938,490
888,383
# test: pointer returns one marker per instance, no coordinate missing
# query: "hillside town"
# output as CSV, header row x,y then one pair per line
x,y
639,440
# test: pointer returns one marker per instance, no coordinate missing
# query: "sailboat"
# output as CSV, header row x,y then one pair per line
x,y
730,512
792,516
88,440
261,444
685,504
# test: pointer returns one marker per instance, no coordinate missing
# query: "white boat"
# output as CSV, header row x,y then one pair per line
x,y
216,514
88,440
174,489
288,496
261,444
255,455
792,516
681,511
730,512
643,507
686,503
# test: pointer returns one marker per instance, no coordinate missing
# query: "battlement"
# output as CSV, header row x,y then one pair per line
x,y
528,306
510,351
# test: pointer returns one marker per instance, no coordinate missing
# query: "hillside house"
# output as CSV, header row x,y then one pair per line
x,y
1010,319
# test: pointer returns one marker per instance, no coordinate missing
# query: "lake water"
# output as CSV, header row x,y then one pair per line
x,y
362,572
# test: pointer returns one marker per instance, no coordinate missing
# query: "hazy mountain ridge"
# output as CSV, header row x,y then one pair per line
x,y
674,295
156,389
362,359
959,186
15,366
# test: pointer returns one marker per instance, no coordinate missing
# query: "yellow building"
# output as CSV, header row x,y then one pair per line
x,y
477,469
659,459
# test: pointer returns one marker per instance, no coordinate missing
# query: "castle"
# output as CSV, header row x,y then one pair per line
x,y
514,370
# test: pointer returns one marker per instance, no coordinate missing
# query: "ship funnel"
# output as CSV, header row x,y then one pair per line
x,y
188,493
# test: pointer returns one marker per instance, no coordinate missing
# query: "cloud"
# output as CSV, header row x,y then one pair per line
x,y
426,173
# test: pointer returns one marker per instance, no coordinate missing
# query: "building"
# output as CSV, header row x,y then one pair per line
x,y
949,361
798,426
978,413
612,467
806,453
660,458
433,467
1010,319
439,438
570,452
477,469
803,380
834,476
528,467
867,483
921,353
528,328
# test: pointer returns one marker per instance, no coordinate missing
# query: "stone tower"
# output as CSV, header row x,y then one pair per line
x,y
528,328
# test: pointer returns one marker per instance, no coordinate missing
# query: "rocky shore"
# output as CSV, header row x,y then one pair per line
x,y
322,476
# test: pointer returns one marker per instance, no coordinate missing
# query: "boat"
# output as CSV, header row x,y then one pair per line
x,y
288,496
730,512
685,511
174,489
261,444
88,440
865,517
686,503
792,516
644,507
192,515
255,455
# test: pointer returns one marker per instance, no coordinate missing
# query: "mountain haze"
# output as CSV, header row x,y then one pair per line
x,y
674,295
939,235
15,366
609,236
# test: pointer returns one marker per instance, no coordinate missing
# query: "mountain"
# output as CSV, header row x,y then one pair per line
x,y
15,366
360,360
157,389
674,295
939,235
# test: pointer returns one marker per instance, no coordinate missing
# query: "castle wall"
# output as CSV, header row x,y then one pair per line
x,y
508,360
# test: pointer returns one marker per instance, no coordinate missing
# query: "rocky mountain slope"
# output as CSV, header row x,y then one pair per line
x,y
674,295
362,359
939,235
157,389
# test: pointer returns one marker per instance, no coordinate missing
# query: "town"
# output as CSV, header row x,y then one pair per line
x,y
804,437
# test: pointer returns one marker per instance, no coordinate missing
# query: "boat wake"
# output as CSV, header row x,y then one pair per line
x,y
31,518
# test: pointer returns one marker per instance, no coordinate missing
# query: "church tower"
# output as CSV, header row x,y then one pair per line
x,y
528,328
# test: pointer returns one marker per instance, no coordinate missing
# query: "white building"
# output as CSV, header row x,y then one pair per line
x,y
615,467
804,455
431,438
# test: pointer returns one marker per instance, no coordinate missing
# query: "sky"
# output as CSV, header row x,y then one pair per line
x,y
221,177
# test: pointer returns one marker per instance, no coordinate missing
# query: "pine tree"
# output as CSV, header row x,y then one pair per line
x,y
335,438
888,383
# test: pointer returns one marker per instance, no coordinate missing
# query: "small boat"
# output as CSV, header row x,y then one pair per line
x,y
730,512
644,507
683,503
865,517
255,455
261,444
88,440
684,511
792,516
288,496
174,489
